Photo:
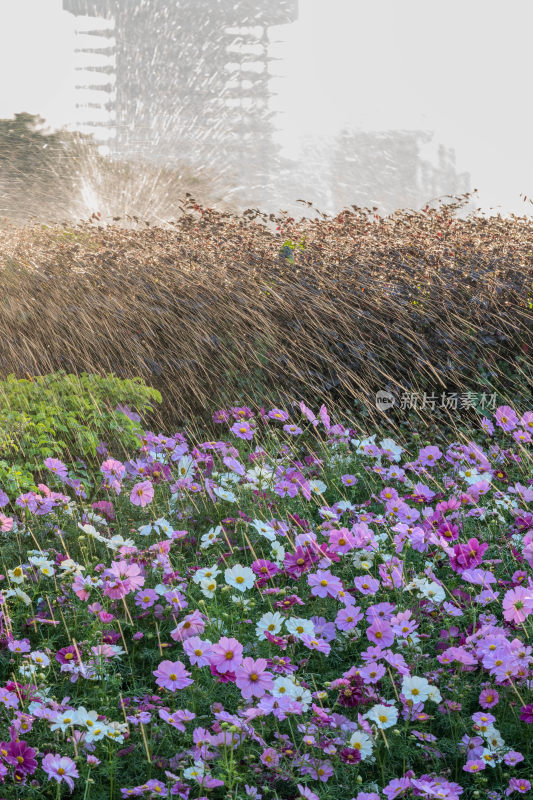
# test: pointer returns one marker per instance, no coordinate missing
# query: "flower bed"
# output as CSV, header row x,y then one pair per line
x,y
289,612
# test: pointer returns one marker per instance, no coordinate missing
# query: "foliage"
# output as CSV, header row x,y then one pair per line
x,y
413,302
375,603
65,416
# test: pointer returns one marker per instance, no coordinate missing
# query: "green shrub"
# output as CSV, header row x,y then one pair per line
x,y
63,416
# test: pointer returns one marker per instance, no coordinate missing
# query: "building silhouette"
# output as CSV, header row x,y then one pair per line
x,y
189,82
392,169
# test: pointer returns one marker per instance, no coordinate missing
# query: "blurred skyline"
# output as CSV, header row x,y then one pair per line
x,y
460,70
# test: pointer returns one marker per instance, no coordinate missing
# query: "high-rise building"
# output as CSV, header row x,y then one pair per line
x,y
191,82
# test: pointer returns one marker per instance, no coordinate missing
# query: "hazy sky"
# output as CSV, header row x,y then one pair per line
x,y
462,68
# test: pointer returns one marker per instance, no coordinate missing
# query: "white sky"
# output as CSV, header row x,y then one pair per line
x,y
461,68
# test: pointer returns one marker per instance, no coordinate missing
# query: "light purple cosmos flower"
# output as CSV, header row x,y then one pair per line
x,y
243,430
56,466
324,584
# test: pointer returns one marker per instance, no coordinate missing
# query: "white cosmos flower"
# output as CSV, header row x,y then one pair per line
x,y
64,720
208,587
433,591
415,689
264,529
283,687
239,577
210,537
162,525
20,594
205,572
96,732
383,716
390,446
225,494
71,567
298,626
494,738
185,467
16,575
270,622
302,696
359,740
278,552
40,658
317,487
434,695
198,771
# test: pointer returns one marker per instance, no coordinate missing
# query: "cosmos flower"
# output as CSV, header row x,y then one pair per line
x,y
226,655
61,768
172,675
142,494
252,678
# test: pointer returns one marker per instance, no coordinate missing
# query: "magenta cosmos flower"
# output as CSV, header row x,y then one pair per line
x,y
172,675
226,655
19,755
142,494
61,768
252,678
517,604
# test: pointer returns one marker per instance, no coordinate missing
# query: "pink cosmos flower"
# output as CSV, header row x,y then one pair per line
x,y
474,765
349,480
61,768
269,757
226,655
341,541
517,604
142,494
314,643
372,672
6,523
467,556
172,675
122,578
192,625
521,785
277,413
381,633
19,645
488,698
252,678
506,418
